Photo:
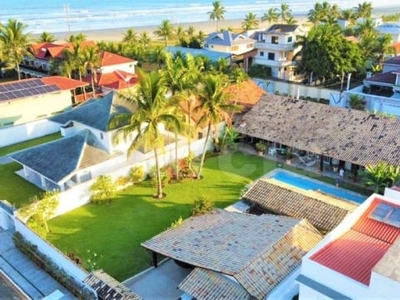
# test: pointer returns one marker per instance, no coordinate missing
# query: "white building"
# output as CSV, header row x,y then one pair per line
x,y
393,29
360,258
276,48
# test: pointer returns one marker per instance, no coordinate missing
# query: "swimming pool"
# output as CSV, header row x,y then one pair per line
x,y
8,290
306,183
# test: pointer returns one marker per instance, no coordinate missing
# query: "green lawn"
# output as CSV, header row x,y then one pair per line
x,y
13,188
115,231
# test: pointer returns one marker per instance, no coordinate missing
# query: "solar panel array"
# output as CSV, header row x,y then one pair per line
x,y
25,88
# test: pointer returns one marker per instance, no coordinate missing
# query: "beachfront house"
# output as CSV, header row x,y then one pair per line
x,y
240,46
335,270
321,135
276,48
390,28
114,73
236,255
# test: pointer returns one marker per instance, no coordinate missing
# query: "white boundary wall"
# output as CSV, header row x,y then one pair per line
x,y
46,248
24,132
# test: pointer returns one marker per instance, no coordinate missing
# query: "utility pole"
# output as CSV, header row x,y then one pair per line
x,y
66,9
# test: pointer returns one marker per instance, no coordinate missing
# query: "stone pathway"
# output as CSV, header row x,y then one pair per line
x,y
35,282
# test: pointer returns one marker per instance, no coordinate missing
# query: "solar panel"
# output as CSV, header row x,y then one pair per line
x,y
386,213
25,88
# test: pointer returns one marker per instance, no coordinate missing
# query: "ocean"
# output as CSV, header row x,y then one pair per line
x,y
83,15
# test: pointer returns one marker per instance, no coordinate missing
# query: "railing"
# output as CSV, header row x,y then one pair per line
x,y
283,47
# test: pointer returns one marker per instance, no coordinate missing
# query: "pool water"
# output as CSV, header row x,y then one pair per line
x,y
311,184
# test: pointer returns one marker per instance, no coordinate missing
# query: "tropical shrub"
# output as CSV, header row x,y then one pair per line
x,y
103,190
380,176
202,205
137,174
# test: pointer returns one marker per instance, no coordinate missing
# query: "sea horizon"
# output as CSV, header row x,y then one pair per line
x,y
87,15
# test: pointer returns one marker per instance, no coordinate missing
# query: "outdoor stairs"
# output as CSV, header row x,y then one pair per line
x,y
35,282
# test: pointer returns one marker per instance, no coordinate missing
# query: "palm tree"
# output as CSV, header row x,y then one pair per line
x,y
356,102
14,42
364,10
348,15
166,31
250,21
158,55
316,15
46,37
78,38
379,176
130,36
191,31
91,59
271,16
217,14
144,39
214,107
152,111
180,33
290,20
285,12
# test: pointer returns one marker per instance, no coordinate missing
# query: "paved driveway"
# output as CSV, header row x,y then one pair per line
x,y
158,283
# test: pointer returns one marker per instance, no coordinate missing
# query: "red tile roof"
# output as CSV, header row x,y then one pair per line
x,y
47,51
109,59
356,252
396,47
116,80
63,83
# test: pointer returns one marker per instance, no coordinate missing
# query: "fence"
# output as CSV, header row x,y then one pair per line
x,y
24,132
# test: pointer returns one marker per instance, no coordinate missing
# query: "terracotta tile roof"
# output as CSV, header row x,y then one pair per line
x,y
284,201
258,251
352,38
208,285
247,93
396,47
47,51
116,80
63,83
108,288
371,238
351,135
110,59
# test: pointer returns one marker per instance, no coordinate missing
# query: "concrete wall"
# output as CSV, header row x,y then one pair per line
x,y
49,250
32,108
24,132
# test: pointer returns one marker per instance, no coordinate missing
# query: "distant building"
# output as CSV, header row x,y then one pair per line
x,y
360,258
276,48
28,100
393,29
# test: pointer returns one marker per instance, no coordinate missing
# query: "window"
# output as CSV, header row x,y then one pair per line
x,y
261,53
271,56
205,45
250,45
274,40
101,135
234,48
386,213
290,39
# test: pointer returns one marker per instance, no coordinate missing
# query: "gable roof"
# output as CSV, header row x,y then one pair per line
x,y
258,251
387,77
110,59
393,60
47,51
208,285
227,38
95,113
116,80
246,93
60,158
351,135
371,238
63,83
284,201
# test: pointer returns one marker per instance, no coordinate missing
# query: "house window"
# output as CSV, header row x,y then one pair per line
x,y
234,48
261,53
85,176
274,40
250,46
200,135
271,56
205,45
101,135
290,39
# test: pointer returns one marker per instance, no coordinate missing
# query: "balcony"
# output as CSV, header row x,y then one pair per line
x,y
276,47
261,60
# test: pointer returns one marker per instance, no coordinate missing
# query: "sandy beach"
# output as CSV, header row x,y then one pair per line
x,y
117,34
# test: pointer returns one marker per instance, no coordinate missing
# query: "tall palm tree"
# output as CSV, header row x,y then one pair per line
x,y
46,37
364,10
180,33
158,56
250,21
165,30
285,12
217,14
214,107
191,31
91,59
152,111
14,42
348,15
271,16
78,38
130,36
290,20
144,39
316,14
